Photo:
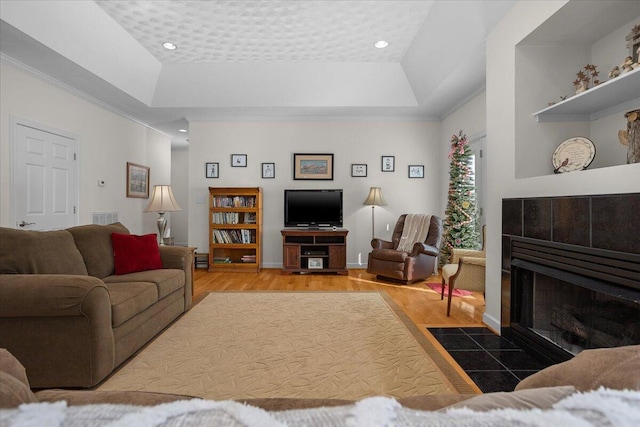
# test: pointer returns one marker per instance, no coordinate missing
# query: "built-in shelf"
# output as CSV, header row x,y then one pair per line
x,y
613,96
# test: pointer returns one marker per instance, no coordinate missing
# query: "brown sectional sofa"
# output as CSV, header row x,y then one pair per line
x,y
65,314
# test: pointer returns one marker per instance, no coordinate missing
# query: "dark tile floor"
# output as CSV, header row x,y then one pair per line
x,y
494,363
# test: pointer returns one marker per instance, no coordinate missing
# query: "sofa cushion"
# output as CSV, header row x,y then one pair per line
x,y
167,280
616,368
14,385
130,299
94,243
133,253
542,398
39,252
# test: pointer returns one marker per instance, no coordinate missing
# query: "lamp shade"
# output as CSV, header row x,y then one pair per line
x,y
162,200
375,197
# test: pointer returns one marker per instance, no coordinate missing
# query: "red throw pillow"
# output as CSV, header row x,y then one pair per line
x,y
133,253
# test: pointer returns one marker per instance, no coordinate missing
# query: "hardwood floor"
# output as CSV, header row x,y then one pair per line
x,y
418,301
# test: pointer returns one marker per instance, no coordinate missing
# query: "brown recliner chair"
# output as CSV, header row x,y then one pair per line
x,y
387,262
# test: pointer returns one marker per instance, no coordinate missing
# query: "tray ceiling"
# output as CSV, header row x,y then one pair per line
x,y
256,60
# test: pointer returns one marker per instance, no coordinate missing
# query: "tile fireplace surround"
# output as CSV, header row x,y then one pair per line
x,y
564,259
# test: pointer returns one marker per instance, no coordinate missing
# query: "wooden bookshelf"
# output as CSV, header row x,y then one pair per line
x,y
235,229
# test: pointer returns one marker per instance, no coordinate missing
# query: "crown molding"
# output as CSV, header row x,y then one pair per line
x,y
6,59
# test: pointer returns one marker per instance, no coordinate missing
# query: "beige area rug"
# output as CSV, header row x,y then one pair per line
x,y
340,345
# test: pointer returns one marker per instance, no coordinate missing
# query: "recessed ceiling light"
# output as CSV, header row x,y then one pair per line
x,y
182,130
169,46
381,44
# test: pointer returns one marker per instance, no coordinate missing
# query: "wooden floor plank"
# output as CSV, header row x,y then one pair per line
x,y
418,301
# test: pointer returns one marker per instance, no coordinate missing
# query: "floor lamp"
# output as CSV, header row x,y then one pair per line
x,y
374,199
162,201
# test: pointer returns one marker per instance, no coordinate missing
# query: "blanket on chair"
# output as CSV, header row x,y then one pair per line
x,y
416,228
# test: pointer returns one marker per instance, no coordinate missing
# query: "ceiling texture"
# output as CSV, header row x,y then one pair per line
x,y
256,60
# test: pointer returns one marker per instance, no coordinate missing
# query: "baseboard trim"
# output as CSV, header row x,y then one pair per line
x,y
491,322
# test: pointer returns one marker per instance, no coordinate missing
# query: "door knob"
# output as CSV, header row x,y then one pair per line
x,y
23,223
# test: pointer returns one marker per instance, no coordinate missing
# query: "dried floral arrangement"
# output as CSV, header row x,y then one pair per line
x,y
586,79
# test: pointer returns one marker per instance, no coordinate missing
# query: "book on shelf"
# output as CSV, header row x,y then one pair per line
x,y
233,236
248,258
234,202
226,218
221,260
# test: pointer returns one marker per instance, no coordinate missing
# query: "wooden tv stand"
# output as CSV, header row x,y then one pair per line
x,y
314,251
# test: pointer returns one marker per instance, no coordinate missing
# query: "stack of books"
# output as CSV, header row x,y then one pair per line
x,y
248,258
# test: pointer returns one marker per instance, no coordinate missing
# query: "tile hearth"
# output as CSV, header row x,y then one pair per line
x,y
493,362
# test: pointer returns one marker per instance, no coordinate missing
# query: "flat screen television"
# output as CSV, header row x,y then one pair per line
x,y
313,208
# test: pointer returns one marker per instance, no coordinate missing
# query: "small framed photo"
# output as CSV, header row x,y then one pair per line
x,y
211,170
388,163
137,181
313,166
358,169
238,160
268,170
416,171
315,263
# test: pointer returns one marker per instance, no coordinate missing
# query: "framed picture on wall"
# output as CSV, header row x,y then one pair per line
x,y
388,163
137,181
211,170
268,170
313,166
416,171
239,160
358,170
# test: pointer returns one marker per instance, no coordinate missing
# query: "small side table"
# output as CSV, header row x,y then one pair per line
x,y
201,260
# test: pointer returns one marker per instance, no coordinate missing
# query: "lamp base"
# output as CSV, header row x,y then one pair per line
x,y
373,223
162,226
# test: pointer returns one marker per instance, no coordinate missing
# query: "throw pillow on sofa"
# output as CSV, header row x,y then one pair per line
x,y
132,253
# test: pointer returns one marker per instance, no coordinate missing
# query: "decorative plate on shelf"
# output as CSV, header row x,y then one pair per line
x,y
573,154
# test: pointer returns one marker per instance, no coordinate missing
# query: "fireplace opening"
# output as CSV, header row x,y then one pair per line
x,y
570,317
561,304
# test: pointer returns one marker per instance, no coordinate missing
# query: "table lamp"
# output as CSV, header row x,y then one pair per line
x,y
162,201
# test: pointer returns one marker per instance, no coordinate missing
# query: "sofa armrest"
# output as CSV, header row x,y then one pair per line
x,y
381,244
59,327
180,258
49,295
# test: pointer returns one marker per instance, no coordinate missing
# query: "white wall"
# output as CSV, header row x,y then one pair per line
x,y
503,136
107,141
350,142
179,221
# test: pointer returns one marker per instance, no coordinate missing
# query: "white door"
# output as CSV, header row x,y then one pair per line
x,y
44,187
